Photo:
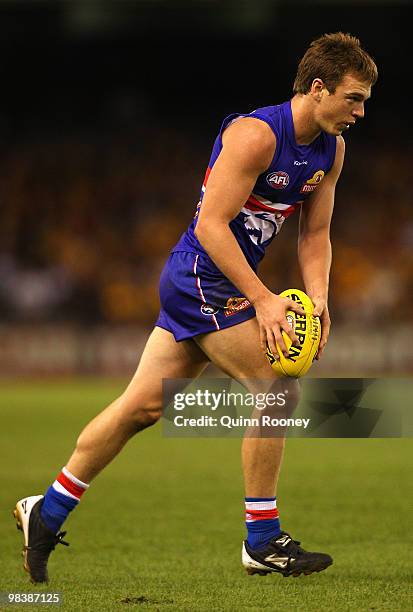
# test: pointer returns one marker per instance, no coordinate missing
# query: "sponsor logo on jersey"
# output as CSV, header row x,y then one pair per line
x,y
300,163
313,182
278,180
209,310
235,304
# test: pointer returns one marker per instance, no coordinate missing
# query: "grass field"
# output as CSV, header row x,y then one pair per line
x,y
161,527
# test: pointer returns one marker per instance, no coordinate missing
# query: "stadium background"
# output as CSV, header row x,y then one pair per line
x,y
108,111
107,116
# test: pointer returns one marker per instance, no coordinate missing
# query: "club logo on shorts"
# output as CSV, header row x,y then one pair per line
x,y
278,180
209,310
312,183
236,304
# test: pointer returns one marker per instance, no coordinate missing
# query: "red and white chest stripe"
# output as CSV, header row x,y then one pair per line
x,y
257,203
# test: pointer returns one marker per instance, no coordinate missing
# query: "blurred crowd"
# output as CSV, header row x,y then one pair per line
x,y
88,219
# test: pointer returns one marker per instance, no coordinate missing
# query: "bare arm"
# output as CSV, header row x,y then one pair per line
x,y
248,148
314,246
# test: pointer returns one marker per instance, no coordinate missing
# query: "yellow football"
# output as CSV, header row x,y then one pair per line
x,y
308,331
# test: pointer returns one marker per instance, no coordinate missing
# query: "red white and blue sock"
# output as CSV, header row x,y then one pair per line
x,y
60,499
261,519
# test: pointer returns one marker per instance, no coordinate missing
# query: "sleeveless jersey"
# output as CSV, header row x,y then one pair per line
x,y
294,173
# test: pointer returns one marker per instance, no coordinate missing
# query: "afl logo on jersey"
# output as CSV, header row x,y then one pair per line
x,y
278,180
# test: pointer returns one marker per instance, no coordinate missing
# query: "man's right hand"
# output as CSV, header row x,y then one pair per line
x,y
271,316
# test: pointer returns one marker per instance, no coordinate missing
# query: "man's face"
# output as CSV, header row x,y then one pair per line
x,y
336,112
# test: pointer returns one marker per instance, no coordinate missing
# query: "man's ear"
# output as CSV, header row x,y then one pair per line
x,y
317,87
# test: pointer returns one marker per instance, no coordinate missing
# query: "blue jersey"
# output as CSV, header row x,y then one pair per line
x,y
294,173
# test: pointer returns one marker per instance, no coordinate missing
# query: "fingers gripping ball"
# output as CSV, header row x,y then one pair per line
x,y
308,331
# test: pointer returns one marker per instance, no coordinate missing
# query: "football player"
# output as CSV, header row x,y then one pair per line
x,y
265,165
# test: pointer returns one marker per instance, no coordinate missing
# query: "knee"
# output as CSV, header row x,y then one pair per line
x,y
292,391
143,413
149,414
284,394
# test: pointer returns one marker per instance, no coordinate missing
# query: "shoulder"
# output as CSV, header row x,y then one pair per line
x,y
340,150
251,137
340,146
338,159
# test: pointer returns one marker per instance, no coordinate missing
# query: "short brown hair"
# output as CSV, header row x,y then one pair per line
x,y
329,58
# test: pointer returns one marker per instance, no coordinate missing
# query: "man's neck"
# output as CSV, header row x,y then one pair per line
x,y
306,130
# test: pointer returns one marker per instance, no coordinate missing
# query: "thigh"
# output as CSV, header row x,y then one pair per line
x,y
163,357
237,351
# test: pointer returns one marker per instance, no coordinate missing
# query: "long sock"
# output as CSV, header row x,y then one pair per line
x,y
262,520
60,499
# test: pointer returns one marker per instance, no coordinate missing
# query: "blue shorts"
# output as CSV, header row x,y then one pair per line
x,y
196,298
